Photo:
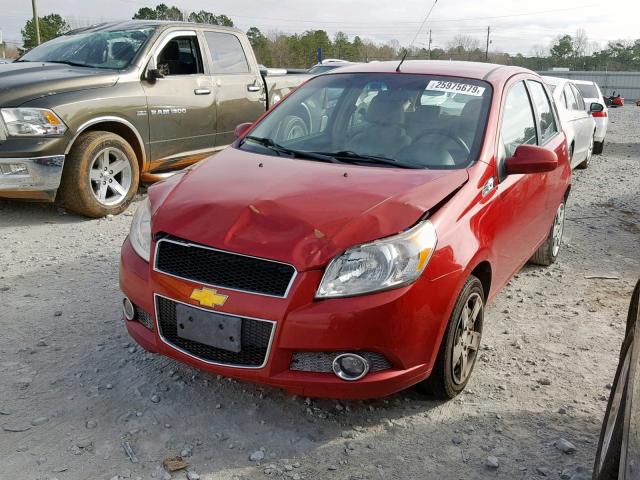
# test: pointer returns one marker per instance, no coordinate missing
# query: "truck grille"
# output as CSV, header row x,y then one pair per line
x,y
255,341
217,268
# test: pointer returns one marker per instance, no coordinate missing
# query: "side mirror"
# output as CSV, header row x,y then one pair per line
x,y
242,129
596,107
153,74
531,159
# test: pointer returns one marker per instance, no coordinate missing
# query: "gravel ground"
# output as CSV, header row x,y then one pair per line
x,y
74,387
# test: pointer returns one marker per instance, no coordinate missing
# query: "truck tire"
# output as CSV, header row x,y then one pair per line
x,y
292,127
460,345
100,175
548,252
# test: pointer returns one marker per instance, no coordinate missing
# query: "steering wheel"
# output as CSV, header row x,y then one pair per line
x,y
444,133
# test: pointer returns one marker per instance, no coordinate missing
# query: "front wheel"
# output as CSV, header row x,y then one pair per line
x,y
548,252
100,175
460,345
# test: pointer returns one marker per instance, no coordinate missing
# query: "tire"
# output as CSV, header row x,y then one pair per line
x,y
292,127
598,148
548,252
91,183
585,163
448,378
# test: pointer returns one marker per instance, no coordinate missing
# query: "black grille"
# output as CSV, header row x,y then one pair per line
x,y
223,269
323,361
254,342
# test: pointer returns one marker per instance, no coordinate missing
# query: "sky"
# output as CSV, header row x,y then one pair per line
x,y
516,27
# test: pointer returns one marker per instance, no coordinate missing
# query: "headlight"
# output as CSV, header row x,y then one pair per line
x,y
380,265
29,122
140,233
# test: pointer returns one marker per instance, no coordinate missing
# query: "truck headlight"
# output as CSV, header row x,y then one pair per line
x,y
30,122
140,232
380,265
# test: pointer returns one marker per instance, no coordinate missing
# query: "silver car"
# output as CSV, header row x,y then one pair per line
x,y
576,119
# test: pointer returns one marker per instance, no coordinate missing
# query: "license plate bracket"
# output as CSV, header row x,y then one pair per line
x,y
209,328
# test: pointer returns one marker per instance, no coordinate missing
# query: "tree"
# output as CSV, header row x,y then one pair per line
x,y
260,45
51,26
562,48
161,12
211,18
463,44
580,42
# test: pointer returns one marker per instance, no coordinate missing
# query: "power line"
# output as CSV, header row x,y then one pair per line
x,y
423,22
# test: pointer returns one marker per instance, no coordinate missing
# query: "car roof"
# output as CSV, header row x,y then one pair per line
x,y
139,24
584,82
555,80
476,70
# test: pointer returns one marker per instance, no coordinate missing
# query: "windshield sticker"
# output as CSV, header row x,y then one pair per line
x,y
455,87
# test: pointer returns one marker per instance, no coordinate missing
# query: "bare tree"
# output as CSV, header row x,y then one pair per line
x,y
463,43
580,43
539,51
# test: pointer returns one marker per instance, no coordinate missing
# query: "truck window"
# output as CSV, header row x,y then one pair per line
x,y
180,56
226,53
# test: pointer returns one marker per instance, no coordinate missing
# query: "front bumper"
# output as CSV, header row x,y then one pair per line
x,y
398,324
32,177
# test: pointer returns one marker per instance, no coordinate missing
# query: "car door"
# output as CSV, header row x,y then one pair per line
x,y
240,95
181,107
521,204
583,116
576,117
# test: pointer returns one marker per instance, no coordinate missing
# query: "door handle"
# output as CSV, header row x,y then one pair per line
x,y
202,91
253,88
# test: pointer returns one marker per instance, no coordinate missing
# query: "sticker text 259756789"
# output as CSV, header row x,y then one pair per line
x,y
455,87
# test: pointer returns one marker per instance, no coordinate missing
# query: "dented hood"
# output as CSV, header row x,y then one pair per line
x,y
24,81
295,211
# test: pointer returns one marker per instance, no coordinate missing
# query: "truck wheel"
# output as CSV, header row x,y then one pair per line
x,y
460,346
292,127
100,175
548,251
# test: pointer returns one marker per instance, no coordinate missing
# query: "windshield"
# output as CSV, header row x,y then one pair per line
x,y
104,49
587,90
416,121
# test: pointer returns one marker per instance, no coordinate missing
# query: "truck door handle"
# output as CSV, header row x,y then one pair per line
x,y
253,88
202,91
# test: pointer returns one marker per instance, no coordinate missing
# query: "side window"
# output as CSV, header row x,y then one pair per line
x,y
579,98
180,56
227,53
518,126
543,110
572,103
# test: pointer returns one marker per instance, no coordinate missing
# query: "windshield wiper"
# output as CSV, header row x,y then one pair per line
x,y
279,149
349,156
67,62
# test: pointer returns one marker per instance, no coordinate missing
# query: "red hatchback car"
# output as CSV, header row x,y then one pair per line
x,y
347,243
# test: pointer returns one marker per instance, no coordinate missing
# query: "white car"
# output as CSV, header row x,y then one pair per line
x,y
592,94
576,119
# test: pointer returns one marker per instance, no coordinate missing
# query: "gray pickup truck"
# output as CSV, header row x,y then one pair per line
x,y
87,116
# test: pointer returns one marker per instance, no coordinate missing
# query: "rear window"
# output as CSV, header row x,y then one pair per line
x,y
587,90
227,53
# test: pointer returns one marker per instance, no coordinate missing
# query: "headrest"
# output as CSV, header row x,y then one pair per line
x,y
472,109
387,108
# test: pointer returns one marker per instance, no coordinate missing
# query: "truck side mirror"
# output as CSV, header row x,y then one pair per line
x,y
152,74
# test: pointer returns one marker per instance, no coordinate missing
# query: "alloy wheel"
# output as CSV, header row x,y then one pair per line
x,y
467,339
558,229
110,176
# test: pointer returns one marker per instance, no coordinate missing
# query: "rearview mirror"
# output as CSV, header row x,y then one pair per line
x,y
242,129
531,159
596,107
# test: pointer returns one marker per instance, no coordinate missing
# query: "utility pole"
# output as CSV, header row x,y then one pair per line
x,y
486,52
2,52
429,44
36,24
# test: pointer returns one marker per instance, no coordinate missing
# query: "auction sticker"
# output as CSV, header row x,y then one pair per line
x,y
455,87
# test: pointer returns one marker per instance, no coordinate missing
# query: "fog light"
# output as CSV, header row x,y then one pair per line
x,y
350,366
14,169
127,309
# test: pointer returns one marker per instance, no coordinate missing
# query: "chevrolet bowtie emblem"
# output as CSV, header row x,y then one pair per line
x,y
208,297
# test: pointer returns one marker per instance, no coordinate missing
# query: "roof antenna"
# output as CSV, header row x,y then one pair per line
x,y
406,50
402,61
